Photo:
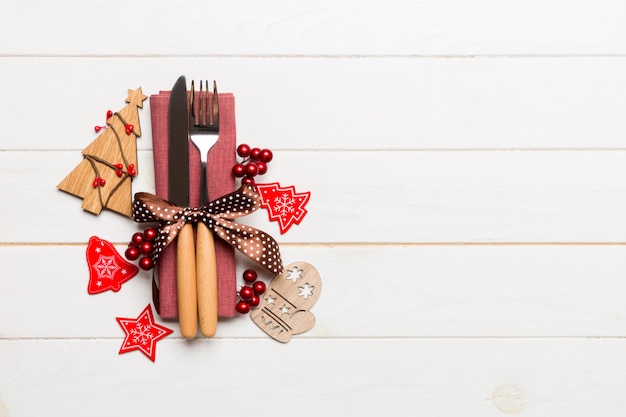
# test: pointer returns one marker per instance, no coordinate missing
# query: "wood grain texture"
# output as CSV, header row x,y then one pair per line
x,y
369,291
358,103
186,287
445,377
206,280
466,166
317,27
409,197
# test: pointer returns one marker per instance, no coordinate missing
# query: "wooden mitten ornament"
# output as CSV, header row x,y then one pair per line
x,y
103,178
284,310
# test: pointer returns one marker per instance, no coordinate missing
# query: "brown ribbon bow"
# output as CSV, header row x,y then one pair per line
x,y
218,216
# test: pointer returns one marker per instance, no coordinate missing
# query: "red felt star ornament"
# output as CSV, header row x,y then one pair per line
x,y
142,333
283,204
108,270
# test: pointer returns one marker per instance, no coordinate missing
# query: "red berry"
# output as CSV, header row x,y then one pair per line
x,y
247,180
254,301
129,128
145,263
146,247
98,128
119,172
258,287
102,182
242,307
109,114
95,182
266,155
118,166
246,292
137,238
243,150
262,167
239,170
252,169
150,234
255,153
132,253
249,275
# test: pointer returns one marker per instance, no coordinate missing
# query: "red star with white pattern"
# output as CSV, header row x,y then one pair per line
x,y
283,204
142,333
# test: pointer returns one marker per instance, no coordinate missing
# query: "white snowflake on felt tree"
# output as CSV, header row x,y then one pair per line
x,y
283,204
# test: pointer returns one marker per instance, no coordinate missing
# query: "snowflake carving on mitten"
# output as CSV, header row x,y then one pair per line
x,y
284,310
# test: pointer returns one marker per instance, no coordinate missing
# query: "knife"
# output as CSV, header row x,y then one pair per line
x,y
178,193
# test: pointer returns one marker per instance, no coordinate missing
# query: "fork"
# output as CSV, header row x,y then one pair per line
x,y
204,130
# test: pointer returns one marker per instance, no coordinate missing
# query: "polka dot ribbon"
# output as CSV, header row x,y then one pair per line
x,y
218,216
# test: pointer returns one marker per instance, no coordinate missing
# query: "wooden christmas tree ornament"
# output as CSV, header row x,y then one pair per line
x,y
103,178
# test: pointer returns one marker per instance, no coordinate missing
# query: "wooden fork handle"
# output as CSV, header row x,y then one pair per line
x,y
186,283
206,269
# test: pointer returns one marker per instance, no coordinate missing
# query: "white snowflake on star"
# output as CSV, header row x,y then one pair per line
x,y
142,334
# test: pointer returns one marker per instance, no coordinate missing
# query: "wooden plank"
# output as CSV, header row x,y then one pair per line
x,y
368,292
370,377
321,27
379,197
330,103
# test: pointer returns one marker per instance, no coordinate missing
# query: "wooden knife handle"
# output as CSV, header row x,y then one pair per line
x,y
186,282
206,270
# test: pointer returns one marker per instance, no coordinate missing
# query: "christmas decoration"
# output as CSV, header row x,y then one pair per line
x,y
103,178
142,333
284,205
218,215
254,163
250,292
142,244
284,310
107,269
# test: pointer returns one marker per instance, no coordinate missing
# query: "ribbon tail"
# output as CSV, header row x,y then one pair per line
x,y
170,218
253,243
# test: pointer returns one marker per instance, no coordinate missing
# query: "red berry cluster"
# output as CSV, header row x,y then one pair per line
x,y
131,170
98,182
254,163
249,293
141,244
128,127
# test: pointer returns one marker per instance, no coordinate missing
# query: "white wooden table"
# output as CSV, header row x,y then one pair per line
x,y
468,215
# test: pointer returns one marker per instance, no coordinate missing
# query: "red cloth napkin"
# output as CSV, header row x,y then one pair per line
x,y
220,182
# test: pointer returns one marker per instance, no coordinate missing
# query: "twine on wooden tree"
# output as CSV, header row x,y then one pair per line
x,y
93,159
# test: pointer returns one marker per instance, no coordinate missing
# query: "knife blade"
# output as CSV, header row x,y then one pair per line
x,y
178,193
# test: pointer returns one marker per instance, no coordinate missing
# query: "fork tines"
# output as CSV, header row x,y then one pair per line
x,y
205,109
